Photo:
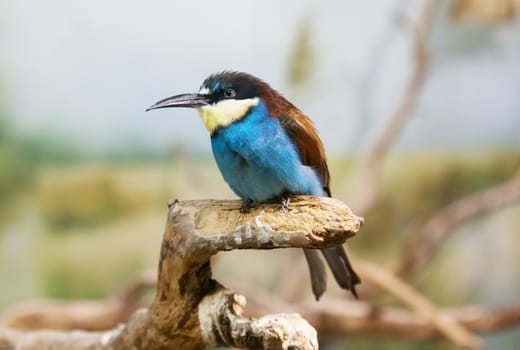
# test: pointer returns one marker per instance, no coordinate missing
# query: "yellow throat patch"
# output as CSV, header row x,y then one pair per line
x,y
225,112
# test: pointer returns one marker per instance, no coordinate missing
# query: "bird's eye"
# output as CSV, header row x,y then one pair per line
x,y
230,93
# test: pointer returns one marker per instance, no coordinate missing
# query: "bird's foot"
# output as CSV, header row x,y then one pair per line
x,y
285,204
246,205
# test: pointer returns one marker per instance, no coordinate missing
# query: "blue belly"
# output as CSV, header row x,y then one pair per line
x,y
258,160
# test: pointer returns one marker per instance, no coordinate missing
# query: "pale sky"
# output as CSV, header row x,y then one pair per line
x,y
88,69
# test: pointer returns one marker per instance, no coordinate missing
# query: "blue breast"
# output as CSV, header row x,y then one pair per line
x,y
258,160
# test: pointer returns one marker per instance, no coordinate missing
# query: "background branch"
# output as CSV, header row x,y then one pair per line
x,y
426,242
405,293
89,315
367,180
336,318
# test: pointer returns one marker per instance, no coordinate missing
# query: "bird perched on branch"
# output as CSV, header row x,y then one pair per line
x,y
266,149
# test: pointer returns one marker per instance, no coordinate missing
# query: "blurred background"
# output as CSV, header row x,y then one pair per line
x,y
85,173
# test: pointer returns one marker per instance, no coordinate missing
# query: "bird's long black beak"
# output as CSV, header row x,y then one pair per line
x,y
184,100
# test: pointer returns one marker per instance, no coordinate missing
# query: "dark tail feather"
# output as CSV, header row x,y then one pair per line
x,y
317,270
341,268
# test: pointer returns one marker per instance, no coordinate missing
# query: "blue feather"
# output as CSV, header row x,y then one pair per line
x,y
258,160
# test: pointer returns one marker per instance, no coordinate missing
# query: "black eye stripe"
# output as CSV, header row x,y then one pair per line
x,y
230,90
244,85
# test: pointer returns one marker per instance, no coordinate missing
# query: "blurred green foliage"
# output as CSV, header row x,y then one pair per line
x,y
16,167
89,196
22,157
63,280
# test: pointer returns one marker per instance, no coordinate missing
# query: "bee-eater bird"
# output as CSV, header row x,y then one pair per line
x,y
266,149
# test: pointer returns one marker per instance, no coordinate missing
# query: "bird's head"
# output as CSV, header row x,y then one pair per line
x,y
227,97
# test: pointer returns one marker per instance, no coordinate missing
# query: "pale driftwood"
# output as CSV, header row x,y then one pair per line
x,y
191,310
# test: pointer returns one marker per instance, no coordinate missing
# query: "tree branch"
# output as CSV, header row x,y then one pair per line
x,y
191,310
368,176
89,315
445,324
336,318
426,241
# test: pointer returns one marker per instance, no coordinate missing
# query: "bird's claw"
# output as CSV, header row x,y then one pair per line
x,y
285,204
246,205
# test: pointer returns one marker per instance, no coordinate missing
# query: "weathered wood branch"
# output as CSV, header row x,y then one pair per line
x,y
191,310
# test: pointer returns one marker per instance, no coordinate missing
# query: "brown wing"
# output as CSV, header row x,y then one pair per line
x,y
303,134
300,129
